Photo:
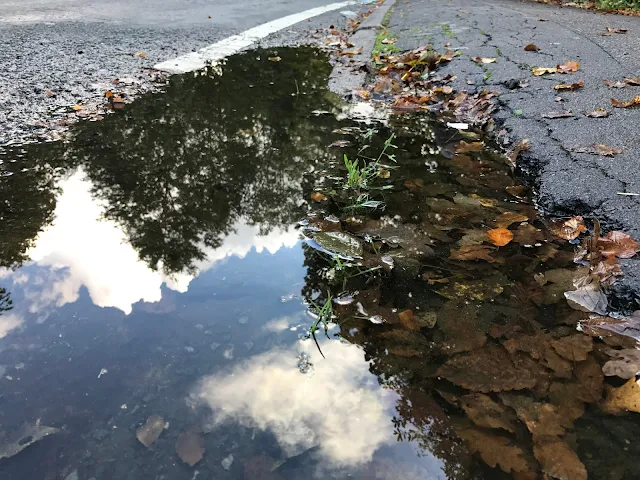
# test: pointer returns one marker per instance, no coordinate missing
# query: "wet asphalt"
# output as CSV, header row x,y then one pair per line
x,y
59,53
567,183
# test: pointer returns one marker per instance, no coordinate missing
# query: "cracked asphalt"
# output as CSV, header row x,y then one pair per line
x,y
59,53
567,183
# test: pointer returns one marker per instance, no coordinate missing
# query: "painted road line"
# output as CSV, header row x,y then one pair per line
x,y
196,60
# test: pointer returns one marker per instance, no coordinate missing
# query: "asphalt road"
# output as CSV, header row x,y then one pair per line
x,y
74,49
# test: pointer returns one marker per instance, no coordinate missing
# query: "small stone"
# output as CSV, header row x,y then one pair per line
x,y
226,462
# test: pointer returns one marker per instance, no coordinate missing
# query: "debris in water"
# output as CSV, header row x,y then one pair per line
x,y
227,462
150,431
190,446
104,371
26,435
304,363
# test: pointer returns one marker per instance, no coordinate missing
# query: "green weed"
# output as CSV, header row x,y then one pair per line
x,y
447,30
324,316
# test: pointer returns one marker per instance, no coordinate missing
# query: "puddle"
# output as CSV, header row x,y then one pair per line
x,y
167,264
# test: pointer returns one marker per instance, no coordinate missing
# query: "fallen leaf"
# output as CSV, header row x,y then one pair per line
x,y
506,219
625,364
632,103
389,41
340,144
500,236
597,149
464,147
494,449
362,93
447,44
622,399
587,299
559,461
491,369
116,81
597,113
484,60
531,48
141,54
318,197
407,320
528,235
611,30
617,84
538,71
474,252
568,67
190,446
150,431
49,93
618,244
562,114
573,347
274,59
570,86
567,228
542,419
108,94
77,108
484,411
521,146
351,52
635,81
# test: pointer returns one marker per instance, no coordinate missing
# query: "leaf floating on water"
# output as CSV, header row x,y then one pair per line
x,y
559,461
340,144
474,252
150,431
484,60
597,149
531,48
570,86
496,450
632,103
554,115
568,228
625,364
500,236
597,113
618,244
623,399
339,243
587,299
190,446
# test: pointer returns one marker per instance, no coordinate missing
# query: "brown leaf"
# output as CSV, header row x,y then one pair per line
x,y
274,59
190,446
495,450
597,113
500,236
597,149
485,412
521,146
542,419
447,56
635,81
622,329
474,252
531,48
611,30
141,54
568,67
570,87
618,244
538,71
567,228
625,364
484,60
559,461
617,84
318,197
574,347
623,399
491,369
506,219
150,431
528,235
464,147
632,103
562,114
407,320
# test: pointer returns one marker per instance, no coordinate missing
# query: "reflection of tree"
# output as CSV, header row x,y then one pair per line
x,y
178,170
6,303
27,198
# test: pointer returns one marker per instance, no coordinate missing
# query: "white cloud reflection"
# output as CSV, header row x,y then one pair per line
x,y
83,249
8,322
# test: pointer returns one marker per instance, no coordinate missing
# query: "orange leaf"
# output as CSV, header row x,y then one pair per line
x,y
531,48
318,197
568,67
633,103
572,86
500,236
141,54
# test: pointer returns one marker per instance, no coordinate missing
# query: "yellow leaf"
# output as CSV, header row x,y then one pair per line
x,y
543,70
141,54
77,107
500,236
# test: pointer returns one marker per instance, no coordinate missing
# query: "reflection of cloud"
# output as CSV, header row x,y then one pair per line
x,y
339,407
281,324
84,249
9,322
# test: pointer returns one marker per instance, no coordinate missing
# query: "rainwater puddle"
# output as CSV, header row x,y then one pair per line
x,y
162,270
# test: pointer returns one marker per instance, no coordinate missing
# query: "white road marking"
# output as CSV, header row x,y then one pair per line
x,y
196,60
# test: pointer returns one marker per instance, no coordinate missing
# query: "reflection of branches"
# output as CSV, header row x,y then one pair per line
x,y
179,170
6,303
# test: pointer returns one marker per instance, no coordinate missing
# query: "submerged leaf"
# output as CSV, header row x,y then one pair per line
x,y
574,347
506,219
500,236
618,244
495,450
190,446
464,147
559,461
150,431
474,252
542,419
587,299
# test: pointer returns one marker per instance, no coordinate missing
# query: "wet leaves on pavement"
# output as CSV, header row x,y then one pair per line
x,y
597,113
635,102
617,84
618,244
569,86
561,114
597,149
484,60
